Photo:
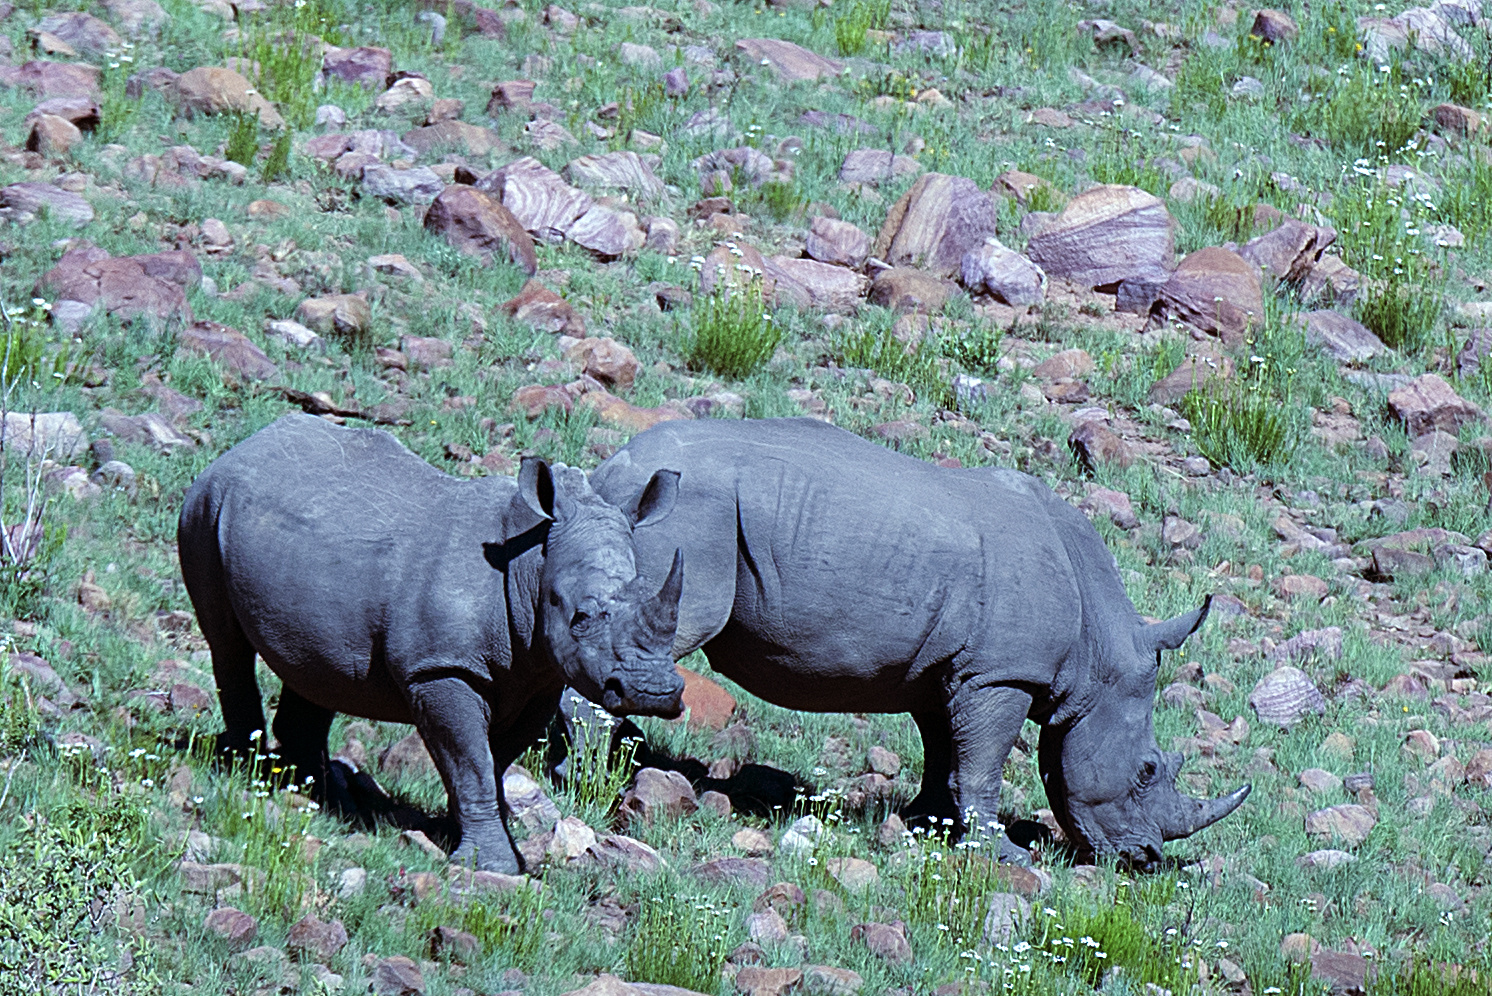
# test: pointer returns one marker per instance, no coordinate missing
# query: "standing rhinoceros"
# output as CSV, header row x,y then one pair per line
x,y
829,574
377,586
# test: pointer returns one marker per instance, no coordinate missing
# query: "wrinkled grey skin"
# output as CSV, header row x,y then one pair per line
x,y
830,574
377,586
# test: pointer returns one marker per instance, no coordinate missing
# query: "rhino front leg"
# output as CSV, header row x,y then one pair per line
x,y
986,722
454,720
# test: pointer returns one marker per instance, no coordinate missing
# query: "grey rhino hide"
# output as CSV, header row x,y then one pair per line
x,y
829,574
374,585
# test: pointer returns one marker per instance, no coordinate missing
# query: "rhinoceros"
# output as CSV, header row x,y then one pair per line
x,y
374,585
829,574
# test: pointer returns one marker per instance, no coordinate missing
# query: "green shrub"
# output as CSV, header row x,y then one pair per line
x,y
594,779
978,350
1367,114
733,333
1404,289
680,941
780,199
858,18
874,346
513,922
243,138
277,165
1240,426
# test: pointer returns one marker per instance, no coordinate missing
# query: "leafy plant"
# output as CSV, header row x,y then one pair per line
x,y
278,163
1403,294
243,138
858,19
780,198
513,922
977,350
874,346
680,941
733,333
1238,426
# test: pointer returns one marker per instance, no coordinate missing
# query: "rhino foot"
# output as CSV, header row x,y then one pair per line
x,y
488,852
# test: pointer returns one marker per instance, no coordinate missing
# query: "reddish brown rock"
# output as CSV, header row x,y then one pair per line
x,y
365,66
1106,235
710,706
622,414
656,793
345,315
125,286
876,166
1285,696
1274,26
52,135
607,232
1094,444
754,872
397,976
905,289
42,78
1215,291
1455,119
753,980
454,136
230,348
219,90
542,308
479,225
793,63
734,265
1301,586
236,928
813,286
23,202
1289,251
313,940
1194,372
884,941
1428,403
607,360
535,399
932,225
1349,824
839,242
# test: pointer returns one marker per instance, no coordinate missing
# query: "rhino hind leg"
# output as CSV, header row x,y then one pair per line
x,y
934,801
233,672
301,727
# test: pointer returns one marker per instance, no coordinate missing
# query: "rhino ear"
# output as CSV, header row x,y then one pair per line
x,y
656,499
1172,633
537,487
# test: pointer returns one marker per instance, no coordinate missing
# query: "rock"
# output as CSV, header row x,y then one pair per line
x,y
526,798
1344,339
136,17
365,66
1194,373
544,204
657,793
396,976
838,242
884,941
405,94
479,225
52,135
767,927
219,90
1301,586
1284,696
1432,453
808,284
1214,291
625,171
1114,504
292,333
83,32
663,236
450,944
313,940
150,429
754,843
572,838
55,436
855,874
624,415
1429,403
1325,860
346,315
452,135
752,872
230,348
543,309
883,761
607,232
235,927
617,851
1289,251
735,265
1189,189
709,706
1455,119
1423,28
935,223
753,980
1343,971
1094,444
905,289
1274,26
1004,273
832,981
1349,824
793,63
1106,235
81,112
1331,281
1320,781
1325,643
418,185
126,286
42,78
605,359
1007,912
876,166
22,202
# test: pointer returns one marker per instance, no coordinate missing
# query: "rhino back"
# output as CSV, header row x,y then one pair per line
x,y
349,561
862,576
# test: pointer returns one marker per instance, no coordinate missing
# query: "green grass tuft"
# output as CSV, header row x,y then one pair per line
x,y
733,334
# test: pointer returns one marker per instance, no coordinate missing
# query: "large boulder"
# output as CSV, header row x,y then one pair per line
x,y
478,225
150,285
625,171
811,285
875,166
1003,272
83,32
842,243
607,232
937,221
1289,251
1345,339
23,202
544,204
219,90
1215,291
42,78
1428,403
418,185
1107,235
793,63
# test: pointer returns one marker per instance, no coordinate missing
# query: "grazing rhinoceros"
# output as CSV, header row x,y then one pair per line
x,y
829,574
377,586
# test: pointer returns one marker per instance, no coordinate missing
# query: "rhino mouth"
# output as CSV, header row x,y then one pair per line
x,y
619,700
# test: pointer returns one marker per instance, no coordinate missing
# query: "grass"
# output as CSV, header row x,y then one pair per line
x,y
732,333
856,21
680,940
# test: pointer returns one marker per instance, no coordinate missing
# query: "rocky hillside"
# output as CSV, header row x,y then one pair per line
x,y
1217,274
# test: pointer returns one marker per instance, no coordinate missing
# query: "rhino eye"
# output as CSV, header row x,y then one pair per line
x,y
1147,772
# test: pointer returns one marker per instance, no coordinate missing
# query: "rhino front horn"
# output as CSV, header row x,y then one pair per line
x,y
1203,813
661,612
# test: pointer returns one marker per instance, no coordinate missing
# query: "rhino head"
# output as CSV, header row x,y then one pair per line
x,y
1110,786
610,632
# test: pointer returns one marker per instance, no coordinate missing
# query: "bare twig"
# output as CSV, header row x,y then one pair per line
x,y
10,775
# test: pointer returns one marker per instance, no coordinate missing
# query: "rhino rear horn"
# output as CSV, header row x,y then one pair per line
x,y
1172,633
1199,814
660,614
